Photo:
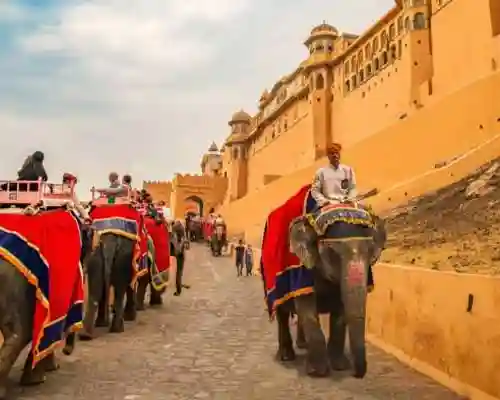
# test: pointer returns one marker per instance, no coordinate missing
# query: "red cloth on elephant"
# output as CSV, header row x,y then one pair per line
x,y
161,239
276,255
46,249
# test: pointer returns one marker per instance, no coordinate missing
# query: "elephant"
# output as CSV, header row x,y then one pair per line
x,y
340,261
109,265
17,307
218,240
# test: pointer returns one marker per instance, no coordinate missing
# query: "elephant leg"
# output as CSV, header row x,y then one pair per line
x,y
301,338
69,345
336,343
9,352
117,324
285,342
155,298
130,313
87,333
142,285
102,320
32,376
317,364
338,329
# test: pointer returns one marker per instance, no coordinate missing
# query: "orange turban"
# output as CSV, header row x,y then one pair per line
x,y
334,148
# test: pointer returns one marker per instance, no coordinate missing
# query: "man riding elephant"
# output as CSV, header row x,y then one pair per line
x,y
332,246
334,184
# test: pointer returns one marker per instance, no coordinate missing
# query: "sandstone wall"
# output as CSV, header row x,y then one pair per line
x,y
440,131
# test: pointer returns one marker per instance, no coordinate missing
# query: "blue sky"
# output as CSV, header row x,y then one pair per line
x,y
144,86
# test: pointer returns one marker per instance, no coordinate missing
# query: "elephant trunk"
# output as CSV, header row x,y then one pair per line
x,y
354,295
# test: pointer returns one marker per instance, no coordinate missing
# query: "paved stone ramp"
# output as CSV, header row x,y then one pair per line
x,y
213,342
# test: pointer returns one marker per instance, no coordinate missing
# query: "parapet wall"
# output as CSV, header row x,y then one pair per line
x,y
443,324
446,325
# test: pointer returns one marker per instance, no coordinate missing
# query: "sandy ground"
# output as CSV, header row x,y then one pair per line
x,y
456,228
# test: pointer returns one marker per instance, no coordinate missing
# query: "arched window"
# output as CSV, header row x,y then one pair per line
x,y
394,52
346,69
347,86
376,64
384,39
360,57
407,24
375,45
384,58
354,64
354,81
361,76
392,32
368,70
419,21
400,25
368,51
320,82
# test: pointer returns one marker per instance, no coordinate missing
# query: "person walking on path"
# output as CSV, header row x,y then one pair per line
x,y
239,259
249,260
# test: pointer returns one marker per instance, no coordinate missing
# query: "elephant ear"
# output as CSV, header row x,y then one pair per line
x,y
302,242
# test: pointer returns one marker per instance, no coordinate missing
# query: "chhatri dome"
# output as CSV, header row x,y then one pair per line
x,y
213,148
240,116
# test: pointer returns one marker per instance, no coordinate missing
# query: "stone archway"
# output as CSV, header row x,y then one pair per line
x,y
199,201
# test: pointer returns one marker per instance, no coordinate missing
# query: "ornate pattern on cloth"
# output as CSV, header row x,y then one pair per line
x,y
160,259
46,249
349,214
283,276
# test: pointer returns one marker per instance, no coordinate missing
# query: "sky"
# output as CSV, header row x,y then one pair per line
x,y
145,86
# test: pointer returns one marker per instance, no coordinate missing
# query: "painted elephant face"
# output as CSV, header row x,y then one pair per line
x,y
346,260
303,242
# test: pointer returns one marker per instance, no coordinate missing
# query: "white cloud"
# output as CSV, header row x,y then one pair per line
x,y
145,86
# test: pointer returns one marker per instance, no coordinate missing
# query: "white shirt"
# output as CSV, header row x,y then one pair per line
x,y
327,184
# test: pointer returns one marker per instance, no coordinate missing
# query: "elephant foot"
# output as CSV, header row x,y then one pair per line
x,y
360,370
340,363
285,354
117,326
130,315
50,364
301,344
68,349
156,301
317,370
32,377
85,336
101,323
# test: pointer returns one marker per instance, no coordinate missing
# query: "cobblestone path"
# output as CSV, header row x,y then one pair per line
x,y
213,342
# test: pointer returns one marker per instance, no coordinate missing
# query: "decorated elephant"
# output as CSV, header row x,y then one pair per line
x,y
321,260
111,265
218,240
340,245
31,261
